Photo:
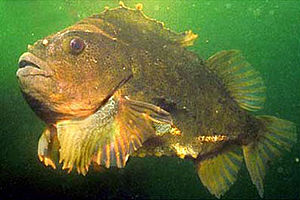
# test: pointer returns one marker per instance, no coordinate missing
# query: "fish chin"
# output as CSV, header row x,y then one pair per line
x,y
35,81
42,109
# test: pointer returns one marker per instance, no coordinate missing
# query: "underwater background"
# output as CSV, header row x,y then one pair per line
x,y
268,34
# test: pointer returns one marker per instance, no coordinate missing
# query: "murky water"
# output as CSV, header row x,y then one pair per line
x,y
267,32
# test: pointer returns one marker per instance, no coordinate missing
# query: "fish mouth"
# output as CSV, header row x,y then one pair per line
x,y
31,65
26,63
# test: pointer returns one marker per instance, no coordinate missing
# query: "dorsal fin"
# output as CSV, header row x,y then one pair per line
x,y
133,26
240,78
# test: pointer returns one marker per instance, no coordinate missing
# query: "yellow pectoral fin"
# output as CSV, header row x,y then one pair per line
x,y
110,135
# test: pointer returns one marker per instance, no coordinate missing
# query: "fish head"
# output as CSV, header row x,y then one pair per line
x,y
71,73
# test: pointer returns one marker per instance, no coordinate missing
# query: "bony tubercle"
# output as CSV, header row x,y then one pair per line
x,y
45,42
183,151
213,138
180,104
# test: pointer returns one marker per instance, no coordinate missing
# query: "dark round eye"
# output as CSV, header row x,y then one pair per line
x,y
76,46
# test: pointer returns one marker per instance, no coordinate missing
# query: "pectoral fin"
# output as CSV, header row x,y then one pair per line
x,y
110,135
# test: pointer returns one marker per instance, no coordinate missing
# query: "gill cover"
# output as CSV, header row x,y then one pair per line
x,y
108,136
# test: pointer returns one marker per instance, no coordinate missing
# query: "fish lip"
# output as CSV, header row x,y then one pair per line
x,y
31,65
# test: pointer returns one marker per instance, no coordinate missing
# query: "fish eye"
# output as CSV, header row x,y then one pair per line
x,y
76,46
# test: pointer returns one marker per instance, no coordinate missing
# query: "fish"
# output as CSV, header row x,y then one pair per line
x,y
119,84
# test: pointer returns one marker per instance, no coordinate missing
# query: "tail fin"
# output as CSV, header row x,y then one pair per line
x,y
276,136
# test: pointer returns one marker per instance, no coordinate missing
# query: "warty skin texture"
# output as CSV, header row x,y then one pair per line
x,y
164,73
120,84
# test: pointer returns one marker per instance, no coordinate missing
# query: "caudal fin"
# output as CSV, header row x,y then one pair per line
x,y
276,136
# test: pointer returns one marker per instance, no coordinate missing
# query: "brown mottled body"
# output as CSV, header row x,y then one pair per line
x,y
168,75
120,84
164,73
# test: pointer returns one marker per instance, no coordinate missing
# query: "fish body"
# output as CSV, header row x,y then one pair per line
x,y
120,84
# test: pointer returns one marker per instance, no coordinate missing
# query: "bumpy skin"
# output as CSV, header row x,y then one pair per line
x,y
77,81
120,43
77,84
177,80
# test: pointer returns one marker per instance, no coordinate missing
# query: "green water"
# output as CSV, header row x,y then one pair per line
x,y
267,32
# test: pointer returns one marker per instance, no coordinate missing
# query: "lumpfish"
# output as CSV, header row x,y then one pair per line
x,y
120,84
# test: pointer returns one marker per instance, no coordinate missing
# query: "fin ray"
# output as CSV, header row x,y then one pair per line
x,y
110,135
241,80
48,147
275,136
218,173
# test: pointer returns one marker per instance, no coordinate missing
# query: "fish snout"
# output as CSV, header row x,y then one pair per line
x,y
31,65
